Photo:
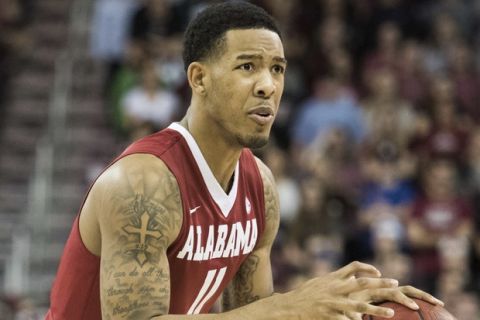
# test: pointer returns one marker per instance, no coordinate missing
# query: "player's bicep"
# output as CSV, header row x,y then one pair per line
x,y
142,217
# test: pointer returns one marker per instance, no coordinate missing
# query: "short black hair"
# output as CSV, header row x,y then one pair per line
x,y
205,34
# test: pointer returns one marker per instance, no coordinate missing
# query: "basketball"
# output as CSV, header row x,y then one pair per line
x,y
427,311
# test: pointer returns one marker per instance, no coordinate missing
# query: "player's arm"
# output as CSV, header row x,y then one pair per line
x,y
254,279
140,217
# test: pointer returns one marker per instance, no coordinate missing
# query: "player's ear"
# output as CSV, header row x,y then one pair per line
x,y
196,74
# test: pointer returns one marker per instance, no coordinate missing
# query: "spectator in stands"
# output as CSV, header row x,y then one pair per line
x,y
330,106
323,253
444,34
330,35
465,78
157,29
461,11
385,54
15,41
310,221
109,36
147,107
410,73
471,188
447,134
387,195
6,310
152,20
387,116
438,217
168,63
125,78
332,159
388,256
321,213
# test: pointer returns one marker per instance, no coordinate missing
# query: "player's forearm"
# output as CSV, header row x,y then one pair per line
x,y
269,308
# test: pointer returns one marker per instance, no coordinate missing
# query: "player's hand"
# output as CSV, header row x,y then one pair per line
x,y
400,295
332,296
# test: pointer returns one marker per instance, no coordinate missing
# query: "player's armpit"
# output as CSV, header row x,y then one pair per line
x,y
142,216
254,279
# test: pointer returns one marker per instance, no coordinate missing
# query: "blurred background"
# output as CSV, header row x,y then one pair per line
x,y
375,150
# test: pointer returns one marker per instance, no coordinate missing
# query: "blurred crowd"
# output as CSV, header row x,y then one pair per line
x,y
376,146
15,40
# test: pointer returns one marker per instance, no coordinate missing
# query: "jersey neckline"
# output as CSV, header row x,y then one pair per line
x,y
224,201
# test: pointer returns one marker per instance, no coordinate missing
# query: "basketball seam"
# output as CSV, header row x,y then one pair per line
x,y
420,314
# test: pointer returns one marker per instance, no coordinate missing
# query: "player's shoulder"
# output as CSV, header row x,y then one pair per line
x,y
137,174
139,164
272,212
265,173
138,183
269,188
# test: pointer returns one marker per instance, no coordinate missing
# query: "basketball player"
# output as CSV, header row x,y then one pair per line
x,y
188,215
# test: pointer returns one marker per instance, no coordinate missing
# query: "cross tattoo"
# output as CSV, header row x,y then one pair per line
x,y
143,232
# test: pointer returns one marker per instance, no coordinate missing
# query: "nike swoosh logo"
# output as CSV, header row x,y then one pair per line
x,y
194,209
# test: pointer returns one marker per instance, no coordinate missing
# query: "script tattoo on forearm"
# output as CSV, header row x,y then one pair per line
x,y
136,281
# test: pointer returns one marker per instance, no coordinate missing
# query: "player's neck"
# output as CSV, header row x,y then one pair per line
x,y
221,157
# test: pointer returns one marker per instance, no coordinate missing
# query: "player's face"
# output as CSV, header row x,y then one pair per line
x,y
245,86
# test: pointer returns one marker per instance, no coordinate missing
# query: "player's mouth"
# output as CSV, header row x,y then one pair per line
x,y
262,115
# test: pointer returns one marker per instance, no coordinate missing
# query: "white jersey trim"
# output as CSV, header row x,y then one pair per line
x,y
224,201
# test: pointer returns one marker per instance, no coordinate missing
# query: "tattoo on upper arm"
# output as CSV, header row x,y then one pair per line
x,y
227,299
272,211
271,202
136,280
243,284
144,231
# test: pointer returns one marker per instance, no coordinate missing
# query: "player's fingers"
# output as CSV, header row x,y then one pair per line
x,y
336,315
419,294
363,283
353,315
354,306
356,268
342,316
380,295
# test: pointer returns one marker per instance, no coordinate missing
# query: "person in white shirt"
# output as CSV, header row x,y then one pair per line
x,y
147,107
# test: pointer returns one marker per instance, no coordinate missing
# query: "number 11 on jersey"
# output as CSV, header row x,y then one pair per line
x,y
214,276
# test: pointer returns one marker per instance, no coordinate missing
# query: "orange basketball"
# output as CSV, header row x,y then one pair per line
x,y
427,311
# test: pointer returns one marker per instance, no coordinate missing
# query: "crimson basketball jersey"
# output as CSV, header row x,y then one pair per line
x,y
218,233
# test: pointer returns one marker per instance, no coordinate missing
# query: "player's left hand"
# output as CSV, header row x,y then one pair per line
x,y
400,295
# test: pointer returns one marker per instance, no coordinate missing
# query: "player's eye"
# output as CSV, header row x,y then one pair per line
x,y
278,69
246,67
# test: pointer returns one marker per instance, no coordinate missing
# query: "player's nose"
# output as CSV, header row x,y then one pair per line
x,y
265,86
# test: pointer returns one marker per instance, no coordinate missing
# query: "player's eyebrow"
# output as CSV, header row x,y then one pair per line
x,y
260,57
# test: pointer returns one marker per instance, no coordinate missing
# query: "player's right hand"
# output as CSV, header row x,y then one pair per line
x,y
329,296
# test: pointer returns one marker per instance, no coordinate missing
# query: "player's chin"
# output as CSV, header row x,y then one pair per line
x,y
254,141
